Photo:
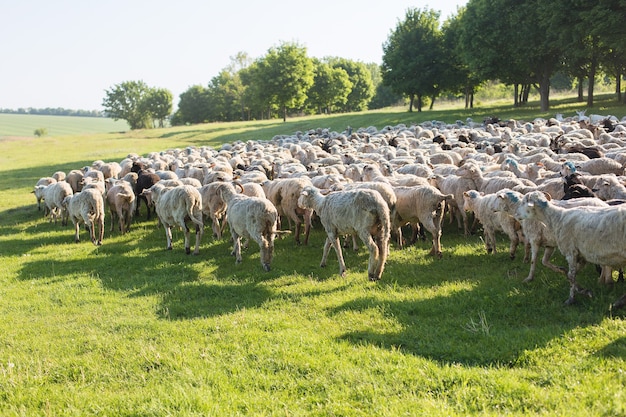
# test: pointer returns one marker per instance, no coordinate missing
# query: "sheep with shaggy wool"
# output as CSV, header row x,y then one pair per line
x,y
583,234
284,194
122,201
176,206
86,207
484,208
423,205
359,211
53,196
40,186
251,218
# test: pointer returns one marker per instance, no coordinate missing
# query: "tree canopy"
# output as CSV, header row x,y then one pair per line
x,y
137,103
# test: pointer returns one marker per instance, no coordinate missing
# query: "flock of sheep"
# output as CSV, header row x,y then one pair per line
x,y
552,184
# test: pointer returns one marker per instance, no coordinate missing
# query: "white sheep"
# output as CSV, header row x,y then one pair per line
x,y
423,205
284,194
484,207
174,207
86,207
53,196
40,186
122,204
251,218
361,211
583,234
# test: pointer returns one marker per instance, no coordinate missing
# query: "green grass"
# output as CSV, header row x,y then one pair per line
x,y
24,125
129,328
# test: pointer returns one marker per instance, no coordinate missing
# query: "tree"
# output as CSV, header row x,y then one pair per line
x,y
412,56
285,74
330,89
193,106
158,103
361,79
124,101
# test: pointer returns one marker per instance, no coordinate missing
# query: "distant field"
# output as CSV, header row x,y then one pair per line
x,y
25,125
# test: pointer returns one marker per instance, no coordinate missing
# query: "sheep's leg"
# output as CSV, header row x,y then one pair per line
x,y
168,235
215,226
373,266
187,233
383,251
236,246
266,256
547,254
606,276
308,214
342,265
325,252
534,253
435,231
76,231
574,266
101,231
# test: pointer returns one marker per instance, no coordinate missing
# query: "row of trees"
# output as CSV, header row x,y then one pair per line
x,y
285,80
54,111
521,43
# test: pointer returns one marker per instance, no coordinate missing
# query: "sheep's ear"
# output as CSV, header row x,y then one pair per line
x,y
548,196
304,192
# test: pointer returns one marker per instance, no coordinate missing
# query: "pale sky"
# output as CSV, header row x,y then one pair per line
x,y
66,53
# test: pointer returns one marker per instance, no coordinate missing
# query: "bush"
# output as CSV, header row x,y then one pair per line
x,y
42,131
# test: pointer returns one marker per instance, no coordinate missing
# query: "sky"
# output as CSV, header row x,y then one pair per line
x,y
67,53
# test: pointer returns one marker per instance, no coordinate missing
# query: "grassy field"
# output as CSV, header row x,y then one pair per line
x,y
131,329
24,125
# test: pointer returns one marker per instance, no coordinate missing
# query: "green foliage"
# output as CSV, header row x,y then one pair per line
x,y
137,103
284,75
413,56
41,131
362,86
129,328
330,89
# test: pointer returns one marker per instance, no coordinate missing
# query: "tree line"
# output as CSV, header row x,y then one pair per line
x,y
524,44
56,111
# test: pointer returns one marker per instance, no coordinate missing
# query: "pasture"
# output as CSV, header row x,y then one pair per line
x,y
129,328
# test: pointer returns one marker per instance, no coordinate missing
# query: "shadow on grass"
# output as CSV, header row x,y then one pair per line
x,y
478,320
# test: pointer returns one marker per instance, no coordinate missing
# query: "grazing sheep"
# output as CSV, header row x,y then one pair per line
x,y
176,206
75,180
421,205
484,207
213,206
583,234
284,194
145,180
536,233
53,196
122,201
360,211
40,186
251,218
86,207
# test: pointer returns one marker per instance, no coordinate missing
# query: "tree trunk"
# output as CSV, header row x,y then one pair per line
x,y
472,99
592,82
580,89
432,102
525,93
419,103
544,91
516,101
618,85
284,114
467,98
411,98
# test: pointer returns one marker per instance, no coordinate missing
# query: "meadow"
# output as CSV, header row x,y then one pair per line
x,y
130,329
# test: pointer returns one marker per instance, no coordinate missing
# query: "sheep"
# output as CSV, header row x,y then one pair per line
x,y
484,208
213,206
74,178
39,187
145,180
53,196
86,207
252,218
455,185
360,211
284,194
536,233
583,234
122,201
176,206
421,204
